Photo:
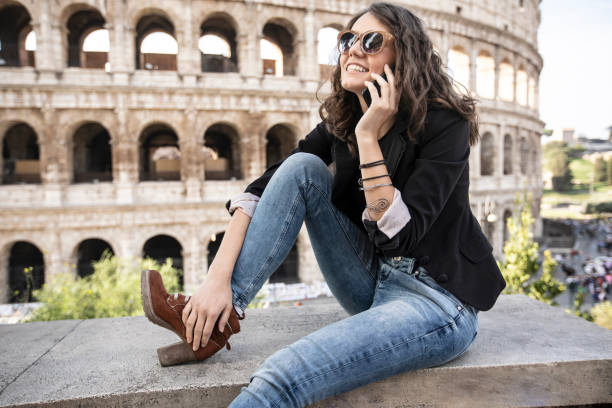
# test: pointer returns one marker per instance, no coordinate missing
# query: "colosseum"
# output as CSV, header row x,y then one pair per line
x,y
121,144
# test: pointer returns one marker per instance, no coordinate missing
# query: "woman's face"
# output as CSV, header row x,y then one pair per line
x,y
352,80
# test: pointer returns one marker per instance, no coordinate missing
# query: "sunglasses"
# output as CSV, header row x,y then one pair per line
x,y
372,42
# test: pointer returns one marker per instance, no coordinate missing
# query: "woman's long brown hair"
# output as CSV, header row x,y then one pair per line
x,y
419,73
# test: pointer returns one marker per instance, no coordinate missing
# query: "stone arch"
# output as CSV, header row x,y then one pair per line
x,y
152,21
485,75
88,251
327,52
487,154
506,80
159,153
222,152
213,246
224,26
91,154
79,19
20,256
281,139
287,272
459,67
522,85
20,156
508,153
15,24
163,246
284,34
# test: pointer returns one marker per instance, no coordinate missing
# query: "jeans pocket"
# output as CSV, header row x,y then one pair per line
x,y
424,277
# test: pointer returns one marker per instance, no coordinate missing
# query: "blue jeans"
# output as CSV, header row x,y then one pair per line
x,y
401,319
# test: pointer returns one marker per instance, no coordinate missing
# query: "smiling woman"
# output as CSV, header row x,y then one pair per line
x,y
392,229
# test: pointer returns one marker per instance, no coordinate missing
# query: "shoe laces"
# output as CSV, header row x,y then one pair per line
x,y
176,295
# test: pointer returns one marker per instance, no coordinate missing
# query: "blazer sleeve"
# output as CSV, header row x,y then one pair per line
x,y
443,155
318,142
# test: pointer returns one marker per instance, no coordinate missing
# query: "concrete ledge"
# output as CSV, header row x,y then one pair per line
x,y
526,354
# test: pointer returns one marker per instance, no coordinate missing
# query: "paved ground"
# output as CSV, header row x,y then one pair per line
x,y
526,354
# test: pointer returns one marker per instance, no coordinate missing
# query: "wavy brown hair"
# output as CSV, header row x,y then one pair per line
x,y
419,73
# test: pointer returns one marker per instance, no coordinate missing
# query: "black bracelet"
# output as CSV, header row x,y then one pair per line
x,y
372,164
361,180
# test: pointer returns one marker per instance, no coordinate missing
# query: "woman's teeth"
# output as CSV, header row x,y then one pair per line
x,y
356,68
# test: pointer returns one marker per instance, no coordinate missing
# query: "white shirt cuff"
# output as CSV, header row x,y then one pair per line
x,y
394,219
246,202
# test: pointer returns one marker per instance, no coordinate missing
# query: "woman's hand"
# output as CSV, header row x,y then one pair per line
x,y
382,110
212,299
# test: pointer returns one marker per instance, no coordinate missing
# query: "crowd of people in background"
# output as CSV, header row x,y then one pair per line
x,y
587,272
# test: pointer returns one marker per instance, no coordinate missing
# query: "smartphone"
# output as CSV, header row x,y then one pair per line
x,y
366,92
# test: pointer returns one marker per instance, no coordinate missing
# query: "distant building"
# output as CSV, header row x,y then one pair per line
x,y
568,136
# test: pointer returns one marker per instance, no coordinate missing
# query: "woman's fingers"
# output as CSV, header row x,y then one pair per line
x,y
208,328
224,318
191,321
373,92
394,95
197,331
384,87
186,311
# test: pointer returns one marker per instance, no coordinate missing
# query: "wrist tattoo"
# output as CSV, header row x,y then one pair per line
x,y
378,206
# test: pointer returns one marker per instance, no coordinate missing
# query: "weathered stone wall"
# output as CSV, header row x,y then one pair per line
x,y
54,100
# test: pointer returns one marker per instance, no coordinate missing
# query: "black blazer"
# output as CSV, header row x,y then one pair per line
x,y
433,178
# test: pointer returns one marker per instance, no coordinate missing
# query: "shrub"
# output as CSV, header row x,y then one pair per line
x,y
600,169
596,208
113,290
602,314
521,259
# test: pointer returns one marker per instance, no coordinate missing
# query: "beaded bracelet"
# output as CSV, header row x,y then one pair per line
x,y
374,186
361,180
372,164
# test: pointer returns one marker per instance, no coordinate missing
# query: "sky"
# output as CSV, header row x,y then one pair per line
x,y
575,41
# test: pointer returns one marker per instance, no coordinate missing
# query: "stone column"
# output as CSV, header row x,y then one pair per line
x,y
444,45
53,158
496,86
54,261
121,44
252,146
194,265
4,275
473,68
308,66
48,46
251,65
192,166
125,157
188,53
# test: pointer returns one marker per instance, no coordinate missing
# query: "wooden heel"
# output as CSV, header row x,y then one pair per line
x,y
177,353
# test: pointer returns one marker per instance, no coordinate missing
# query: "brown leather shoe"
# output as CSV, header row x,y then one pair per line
x,y
166,310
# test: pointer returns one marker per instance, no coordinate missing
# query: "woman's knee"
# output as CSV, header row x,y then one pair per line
x,y
305,166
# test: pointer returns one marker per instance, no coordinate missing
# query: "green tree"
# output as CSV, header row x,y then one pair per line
x,y
556,160
521,259
599,169
113,290
609,171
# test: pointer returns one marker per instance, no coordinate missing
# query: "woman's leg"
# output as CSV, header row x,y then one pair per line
x,y
411,325
301,190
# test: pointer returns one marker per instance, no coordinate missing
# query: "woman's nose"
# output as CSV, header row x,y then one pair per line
x,y
356,48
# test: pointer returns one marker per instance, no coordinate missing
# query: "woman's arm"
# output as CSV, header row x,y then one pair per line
x,y
378,199
214,297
